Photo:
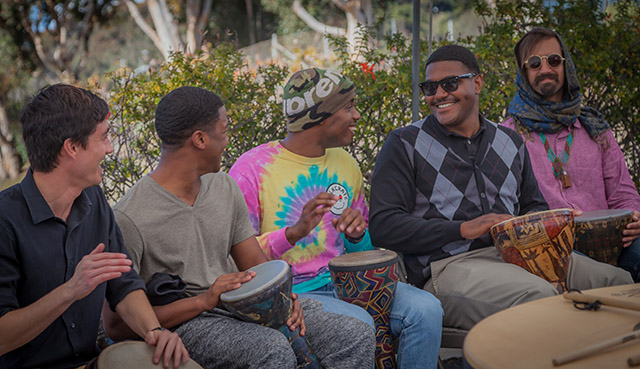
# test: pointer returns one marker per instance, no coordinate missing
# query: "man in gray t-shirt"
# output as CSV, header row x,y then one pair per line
x,y
187,219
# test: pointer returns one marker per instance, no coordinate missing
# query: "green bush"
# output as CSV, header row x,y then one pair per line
x,y
605,48
249,95
604,45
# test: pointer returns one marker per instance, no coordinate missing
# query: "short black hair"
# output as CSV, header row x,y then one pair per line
x,y
56,113
183,111
457,53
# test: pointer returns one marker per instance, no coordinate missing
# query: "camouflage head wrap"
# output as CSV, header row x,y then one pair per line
x,y
313,95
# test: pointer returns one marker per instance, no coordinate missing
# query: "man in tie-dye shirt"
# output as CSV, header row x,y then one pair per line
x,y
306,201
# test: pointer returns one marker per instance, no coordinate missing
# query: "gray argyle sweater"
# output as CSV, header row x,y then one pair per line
x,y
427,181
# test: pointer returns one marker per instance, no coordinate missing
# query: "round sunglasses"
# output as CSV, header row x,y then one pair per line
x,y
449,84
535,61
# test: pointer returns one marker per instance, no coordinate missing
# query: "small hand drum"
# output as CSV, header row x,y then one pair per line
x,y
599,233
368,279
539,242
134,355
266,300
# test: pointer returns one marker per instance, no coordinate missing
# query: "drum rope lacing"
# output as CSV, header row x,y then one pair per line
x,y
595,305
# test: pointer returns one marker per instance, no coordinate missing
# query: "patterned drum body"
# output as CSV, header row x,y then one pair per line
x,y
599,233
368,279
538,242
266,300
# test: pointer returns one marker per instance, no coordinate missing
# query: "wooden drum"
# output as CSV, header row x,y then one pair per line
x,y
134,355
368,279
266,300
539,242
599,233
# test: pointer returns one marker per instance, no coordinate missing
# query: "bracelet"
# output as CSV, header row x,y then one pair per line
x,y
158,329
355,240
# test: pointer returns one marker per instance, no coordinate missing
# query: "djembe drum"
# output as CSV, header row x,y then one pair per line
x,y
368,279
134,355
266,300
599,233
539,242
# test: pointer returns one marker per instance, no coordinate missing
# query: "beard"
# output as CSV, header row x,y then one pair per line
x,y
547,88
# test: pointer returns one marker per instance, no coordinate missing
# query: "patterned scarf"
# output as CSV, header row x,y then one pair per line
x,y
531,112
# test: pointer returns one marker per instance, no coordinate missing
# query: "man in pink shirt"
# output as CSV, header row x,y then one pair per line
x,y
574,155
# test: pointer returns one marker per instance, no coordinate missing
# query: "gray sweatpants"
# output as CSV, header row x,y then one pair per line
x,y
217,340
473,285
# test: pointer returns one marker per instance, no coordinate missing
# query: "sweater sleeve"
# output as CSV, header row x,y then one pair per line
x,y
274,243
393,199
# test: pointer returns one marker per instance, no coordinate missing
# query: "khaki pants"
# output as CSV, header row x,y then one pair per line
x,y
473,285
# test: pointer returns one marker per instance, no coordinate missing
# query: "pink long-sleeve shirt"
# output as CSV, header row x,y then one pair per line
x,y
599,177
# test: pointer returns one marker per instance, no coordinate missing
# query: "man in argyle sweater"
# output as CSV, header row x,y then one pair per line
x,y
441,183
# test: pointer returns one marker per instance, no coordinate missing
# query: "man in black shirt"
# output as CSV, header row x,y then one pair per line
x,y
441,183
61,252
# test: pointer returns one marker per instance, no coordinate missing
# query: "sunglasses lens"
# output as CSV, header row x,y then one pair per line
x,y
449,85
554,60
534,62
429,88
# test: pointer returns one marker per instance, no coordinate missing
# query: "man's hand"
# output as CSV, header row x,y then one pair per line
x,y
351,223
168,345
479,226
95,268
632,231
311,215
296,320
224,283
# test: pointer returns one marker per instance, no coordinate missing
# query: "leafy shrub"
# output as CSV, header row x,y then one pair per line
x,y
605,48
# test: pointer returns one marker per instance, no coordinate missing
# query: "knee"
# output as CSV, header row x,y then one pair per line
x,y
278,350
421,308
534,290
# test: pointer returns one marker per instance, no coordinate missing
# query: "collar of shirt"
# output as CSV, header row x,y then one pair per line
x,y
40,209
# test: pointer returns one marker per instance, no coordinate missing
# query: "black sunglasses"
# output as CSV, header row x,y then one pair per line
x,y
449,84
535,61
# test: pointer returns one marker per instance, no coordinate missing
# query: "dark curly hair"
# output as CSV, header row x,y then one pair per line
x,y
457,53
183,111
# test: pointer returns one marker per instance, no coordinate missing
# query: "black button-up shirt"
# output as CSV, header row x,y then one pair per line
x,y
39,252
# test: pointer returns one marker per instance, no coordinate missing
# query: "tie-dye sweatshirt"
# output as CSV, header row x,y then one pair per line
x,y
278,183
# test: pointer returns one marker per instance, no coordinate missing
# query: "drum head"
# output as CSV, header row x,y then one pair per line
x,y
363,260
267,274
589,216
535,215
134,355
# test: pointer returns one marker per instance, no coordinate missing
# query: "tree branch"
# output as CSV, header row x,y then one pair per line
x,y
146,28
314,24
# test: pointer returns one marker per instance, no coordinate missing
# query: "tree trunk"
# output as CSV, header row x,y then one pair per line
x,y
250,21
10,160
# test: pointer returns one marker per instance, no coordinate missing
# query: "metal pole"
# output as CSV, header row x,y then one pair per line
x,y
415,62
430,26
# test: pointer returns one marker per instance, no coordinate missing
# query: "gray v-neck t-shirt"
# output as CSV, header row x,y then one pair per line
x,y
164,234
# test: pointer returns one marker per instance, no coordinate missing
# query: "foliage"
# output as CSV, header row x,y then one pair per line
x,y
383,79
54,34
605,46
254,113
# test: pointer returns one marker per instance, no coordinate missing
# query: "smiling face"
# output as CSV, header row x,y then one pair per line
x,y
546,80
457,111
88,159
340,128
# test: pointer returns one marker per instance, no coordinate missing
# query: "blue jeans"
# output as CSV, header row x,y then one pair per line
x,y
416,321
630,260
